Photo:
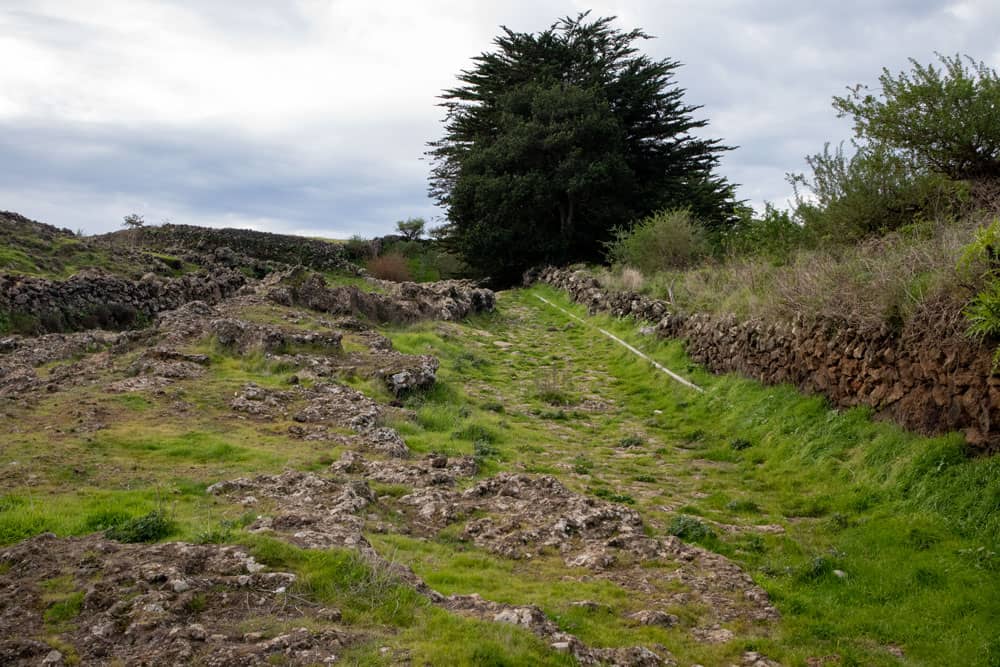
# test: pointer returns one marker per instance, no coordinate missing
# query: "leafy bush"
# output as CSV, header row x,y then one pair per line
x,y
689,528
665,240
391,266
982,257
147,528
358,249
774,235
872,192
942,120
484,451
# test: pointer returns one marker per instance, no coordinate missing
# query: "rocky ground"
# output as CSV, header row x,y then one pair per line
x,y
92,600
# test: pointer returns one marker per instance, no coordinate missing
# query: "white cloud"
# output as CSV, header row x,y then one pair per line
x,y
314,114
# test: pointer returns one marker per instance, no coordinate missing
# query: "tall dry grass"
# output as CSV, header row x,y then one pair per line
x,y
882,281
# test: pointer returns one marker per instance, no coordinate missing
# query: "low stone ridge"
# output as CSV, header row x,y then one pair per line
x,y
265,246
319,512
94,299
170,604
522,516
930,378
401,303
310,511
319,410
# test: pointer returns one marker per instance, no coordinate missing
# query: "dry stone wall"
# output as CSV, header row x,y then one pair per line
x,y
92,299
265,246
931,378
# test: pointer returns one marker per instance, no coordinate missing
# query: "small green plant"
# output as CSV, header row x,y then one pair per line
x,y
743,506
65,610
609,495
147,528
551,388
690,528
739,444
475,433
484,451
196,604
582,465
981,261
817,568
632,440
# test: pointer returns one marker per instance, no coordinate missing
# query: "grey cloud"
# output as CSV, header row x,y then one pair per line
x,y
764,72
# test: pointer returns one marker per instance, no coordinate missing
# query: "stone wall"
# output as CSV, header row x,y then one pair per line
x,y
929,378
399,303
265,246
93,299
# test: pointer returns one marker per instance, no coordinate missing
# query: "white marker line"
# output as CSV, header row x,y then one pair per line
x,y
631,349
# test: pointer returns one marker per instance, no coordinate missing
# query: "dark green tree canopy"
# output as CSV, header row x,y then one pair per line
x,y
555,138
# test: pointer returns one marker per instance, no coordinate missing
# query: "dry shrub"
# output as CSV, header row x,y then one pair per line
x,y
632,279
391,266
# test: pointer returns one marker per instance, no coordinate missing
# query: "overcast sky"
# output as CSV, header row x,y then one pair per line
x,y
311,116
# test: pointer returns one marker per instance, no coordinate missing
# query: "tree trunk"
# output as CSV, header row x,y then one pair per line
x,y
566,218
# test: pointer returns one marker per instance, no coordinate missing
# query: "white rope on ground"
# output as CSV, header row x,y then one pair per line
x,y
631,349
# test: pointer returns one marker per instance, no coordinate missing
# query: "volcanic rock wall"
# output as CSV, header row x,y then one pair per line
x,y
448,300
93,299
932,379
291,250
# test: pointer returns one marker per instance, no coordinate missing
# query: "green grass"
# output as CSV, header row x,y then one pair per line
x,y
912,523
846,490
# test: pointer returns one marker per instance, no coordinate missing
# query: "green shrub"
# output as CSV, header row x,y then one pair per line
x,y
147,528
690,528
631,441
774,235
358,249
981,262
874,191
609,495
484,451
664,240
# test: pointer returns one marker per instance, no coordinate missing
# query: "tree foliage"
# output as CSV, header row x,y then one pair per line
x,y
555,138
411,228
133,221
945,120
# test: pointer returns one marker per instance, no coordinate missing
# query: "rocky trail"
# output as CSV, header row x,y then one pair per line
x,y
486,476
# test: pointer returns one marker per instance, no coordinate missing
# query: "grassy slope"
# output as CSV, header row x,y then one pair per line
x,y
912,523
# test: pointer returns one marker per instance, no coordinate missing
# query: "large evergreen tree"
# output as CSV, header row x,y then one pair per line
x,y
555,138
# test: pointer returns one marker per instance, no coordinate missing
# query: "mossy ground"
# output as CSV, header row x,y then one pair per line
x,y
890,540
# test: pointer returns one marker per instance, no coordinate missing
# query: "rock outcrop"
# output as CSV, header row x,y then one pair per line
x,y
397,303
